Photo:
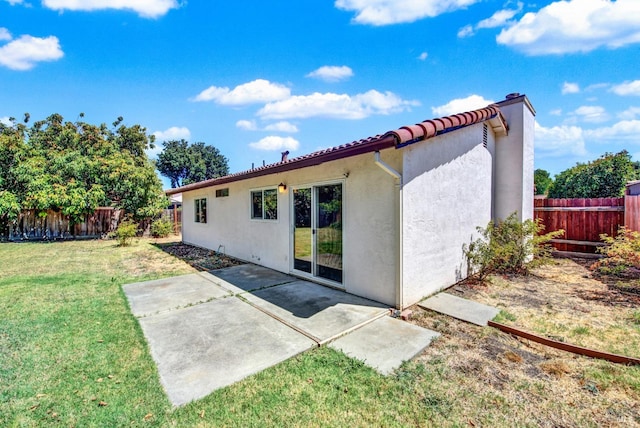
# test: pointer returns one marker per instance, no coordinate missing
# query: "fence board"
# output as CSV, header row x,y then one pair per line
x,y
583,220
55,225
632,212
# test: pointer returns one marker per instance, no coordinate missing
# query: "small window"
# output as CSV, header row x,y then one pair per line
x,y
264,204
221,193
201,210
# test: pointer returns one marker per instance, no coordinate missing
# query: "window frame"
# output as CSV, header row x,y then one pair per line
x,y
200,210
264,197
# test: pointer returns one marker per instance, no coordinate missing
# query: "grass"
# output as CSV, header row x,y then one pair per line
x,y
329,241
71,354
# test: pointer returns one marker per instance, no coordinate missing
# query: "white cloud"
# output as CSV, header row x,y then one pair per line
x,y
498,19
423,56
144,8
461,105
173,133
5,120
247,125
339,106
276,143
282,126
332,73
559,140
630,113
5,34
24,52
570,88
257,91
556,112
627,88
386,12
592,114
466,31
14,2
575,26
623,130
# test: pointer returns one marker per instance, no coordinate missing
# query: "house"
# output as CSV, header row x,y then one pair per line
x,y
385,217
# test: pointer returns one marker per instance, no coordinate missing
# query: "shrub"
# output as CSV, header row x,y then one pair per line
x,y
161,228
509,247
622,253
125,232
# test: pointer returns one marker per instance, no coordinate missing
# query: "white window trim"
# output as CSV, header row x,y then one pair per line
x,y
262,190
196,202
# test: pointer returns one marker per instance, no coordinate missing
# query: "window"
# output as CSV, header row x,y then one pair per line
x,y
264,204
221,193
201,210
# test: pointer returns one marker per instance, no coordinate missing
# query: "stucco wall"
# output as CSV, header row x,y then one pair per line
x,y
447,194
370,222
514,185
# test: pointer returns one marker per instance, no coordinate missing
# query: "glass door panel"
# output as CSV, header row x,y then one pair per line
x,y
328,248
302,231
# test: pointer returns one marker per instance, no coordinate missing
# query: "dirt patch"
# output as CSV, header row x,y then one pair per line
x,y
536,384
199,258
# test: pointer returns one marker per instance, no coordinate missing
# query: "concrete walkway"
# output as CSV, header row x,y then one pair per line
x,y
209,330
462,309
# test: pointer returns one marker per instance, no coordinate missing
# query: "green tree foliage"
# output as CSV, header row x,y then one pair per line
x,y
542,181
75,167
604,177
184,164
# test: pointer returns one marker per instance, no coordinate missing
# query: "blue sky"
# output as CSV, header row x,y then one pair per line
x,y
255,78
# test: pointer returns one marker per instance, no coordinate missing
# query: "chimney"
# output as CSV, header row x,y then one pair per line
x,y
512,95
284,156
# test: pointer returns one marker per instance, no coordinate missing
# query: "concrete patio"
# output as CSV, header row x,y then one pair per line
x,y
209,330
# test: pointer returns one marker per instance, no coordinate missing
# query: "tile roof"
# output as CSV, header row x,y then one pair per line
x,y
397,138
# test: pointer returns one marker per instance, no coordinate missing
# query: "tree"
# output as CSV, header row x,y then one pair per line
x,y
542,181
602,178
75,167
184,164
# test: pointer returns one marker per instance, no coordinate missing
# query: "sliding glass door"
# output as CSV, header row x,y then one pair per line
x,y
317,231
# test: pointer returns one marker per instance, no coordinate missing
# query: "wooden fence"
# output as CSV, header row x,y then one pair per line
x,y
584,220
175,216
54,225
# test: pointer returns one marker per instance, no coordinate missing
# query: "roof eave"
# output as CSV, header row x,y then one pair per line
x,y
377,144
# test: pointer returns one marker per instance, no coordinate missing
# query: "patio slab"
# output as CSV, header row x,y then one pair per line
x,y
320,312
249,277
212,345
462,309
385,343
151,297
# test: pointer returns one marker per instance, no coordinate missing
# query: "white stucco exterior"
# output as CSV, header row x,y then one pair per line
x,y
514,187
402,237
447,195
370,222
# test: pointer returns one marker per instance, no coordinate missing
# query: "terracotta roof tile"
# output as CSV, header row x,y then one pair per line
x,y
399,138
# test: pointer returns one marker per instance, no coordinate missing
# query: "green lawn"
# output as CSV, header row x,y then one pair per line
x,y
71,354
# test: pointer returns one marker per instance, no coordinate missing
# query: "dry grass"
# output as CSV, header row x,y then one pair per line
x,y
490,373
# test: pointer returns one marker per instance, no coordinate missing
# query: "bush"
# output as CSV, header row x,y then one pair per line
x,y
509,247
622,253
161,228
125,232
